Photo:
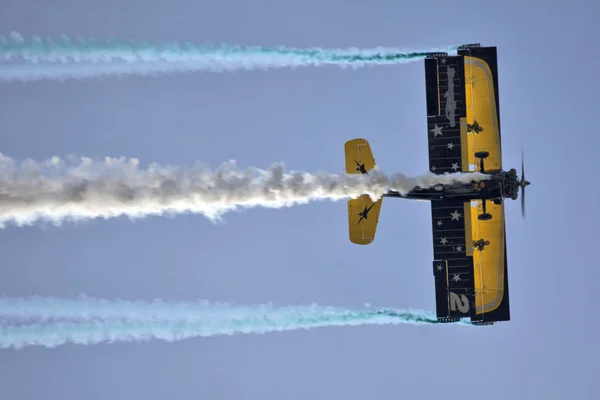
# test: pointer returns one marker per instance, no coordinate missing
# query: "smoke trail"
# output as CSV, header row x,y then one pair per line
x,y
56,190
203,322
85,308
44,58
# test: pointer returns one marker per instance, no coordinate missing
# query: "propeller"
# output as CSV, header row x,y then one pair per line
x,y
523,183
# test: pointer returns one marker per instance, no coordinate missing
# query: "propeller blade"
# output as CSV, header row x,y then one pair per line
x,y
523,183
522,165
523,203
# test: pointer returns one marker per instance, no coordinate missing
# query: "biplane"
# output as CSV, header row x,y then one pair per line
x,y
467,219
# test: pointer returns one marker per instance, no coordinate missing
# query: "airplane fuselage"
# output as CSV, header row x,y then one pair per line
x,y
501,184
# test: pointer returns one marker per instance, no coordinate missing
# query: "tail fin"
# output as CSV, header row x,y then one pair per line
x,y
363,213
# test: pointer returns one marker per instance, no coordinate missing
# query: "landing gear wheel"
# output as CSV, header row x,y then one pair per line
x,y
484,217
482,154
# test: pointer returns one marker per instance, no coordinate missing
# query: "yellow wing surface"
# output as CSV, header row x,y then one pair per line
x,y
358,156
489,264
483,125
483,134
363,213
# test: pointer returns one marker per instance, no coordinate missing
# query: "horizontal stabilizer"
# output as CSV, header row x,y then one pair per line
x,y
363,215
359,157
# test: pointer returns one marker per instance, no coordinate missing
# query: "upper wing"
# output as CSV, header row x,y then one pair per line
x,y
483,106
363,213
490,262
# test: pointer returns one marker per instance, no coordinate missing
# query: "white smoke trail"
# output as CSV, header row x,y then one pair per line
x,y
105,321
56,190
44,58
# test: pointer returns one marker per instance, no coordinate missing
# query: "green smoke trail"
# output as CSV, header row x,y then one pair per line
x,y
189,322
39,58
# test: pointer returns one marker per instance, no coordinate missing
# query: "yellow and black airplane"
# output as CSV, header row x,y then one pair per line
x,y
468,223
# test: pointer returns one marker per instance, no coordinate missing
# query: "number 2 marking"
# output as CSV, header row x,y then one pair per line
x,y
462,303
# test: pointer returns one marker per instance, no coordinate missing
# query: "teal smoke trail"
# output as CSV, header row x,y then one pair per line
x,y
86,308
105,321
44,58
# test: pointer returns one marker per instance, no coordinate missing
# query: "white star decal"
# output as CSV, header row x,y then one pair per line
x,y
433,168
439,267
450,145
458,248
443,240
437,131
443,60
455,215
440,223
455,166
456,278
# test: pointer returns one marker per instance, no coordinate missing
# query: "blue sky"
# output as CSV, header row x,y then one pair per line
x,y
302,255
